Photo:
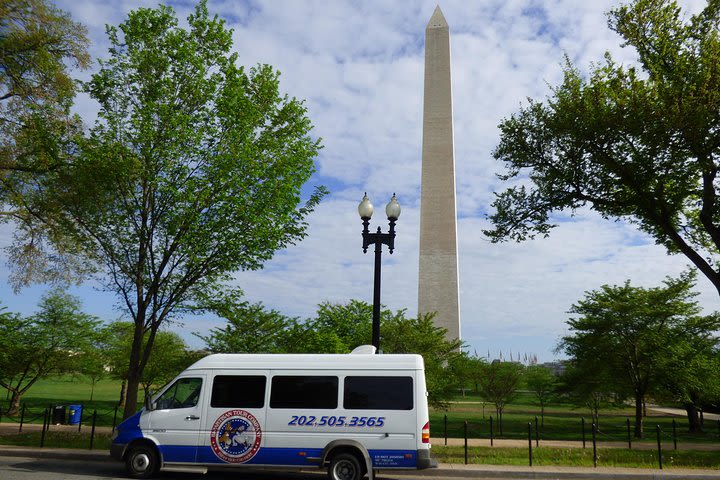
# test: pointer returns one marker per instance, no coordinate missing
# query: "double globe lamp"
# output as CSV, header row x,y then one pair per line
x,y
392,210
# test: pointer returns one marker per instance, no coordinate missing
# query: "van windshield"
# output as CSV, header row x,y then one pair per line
x,y
184,393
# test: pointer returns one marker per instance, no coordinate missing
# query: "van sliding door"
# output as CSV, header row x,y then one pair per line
x,y
233,431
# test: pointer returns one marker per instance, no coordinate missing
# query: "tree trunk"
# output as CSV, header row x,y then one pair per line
x,y
134,368
14,407
693,416
123,389
133,383
639,400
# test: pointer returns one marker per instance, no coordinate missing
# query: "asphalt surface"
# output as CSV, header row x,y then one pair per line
x,y
443,470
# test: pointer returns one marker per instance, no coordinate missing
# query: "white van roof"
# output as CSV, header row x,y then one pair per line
x,y
309,361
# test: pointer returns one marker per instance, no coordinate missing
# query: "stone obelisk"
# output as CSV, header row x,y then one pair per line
x,y
438,279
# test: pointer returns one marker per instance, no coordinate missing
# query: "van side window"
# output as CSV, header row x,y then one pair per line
x,y
378,393
304,392
230,391
184,393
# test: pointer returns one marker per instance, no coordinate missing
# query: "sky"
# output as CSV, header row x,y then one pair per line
x,y
359,67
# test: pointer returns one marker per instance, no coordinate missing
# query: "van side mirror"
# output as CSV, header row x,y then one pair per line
x,y
149,405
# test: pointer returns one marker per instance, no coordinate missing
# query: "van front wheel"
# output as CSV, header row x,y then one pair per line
x,y
141,462
345,466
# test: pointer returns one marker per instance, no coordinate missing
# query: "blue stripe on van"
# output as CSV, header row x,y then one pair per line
x,y
290,456
128,430
178,453
268,456
394,458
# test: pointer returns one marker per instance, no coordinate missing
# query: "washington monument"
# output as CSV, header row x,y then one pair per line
x,y
438,278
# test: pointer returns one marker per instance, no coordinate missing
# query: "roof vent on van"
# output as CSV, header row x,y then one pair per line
x,y
364,350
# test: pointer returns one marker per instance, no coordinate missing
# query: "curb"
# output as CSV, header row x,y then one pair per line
x,y
508,471
57,453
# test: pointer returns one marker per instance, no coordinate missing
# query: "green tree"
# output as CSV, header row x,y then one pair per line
x,y
541,382
587,385
93,362
51,341
690,370
638,143
170,355
192,172
336,328
420,335
499,384
37,46
625,334
250,328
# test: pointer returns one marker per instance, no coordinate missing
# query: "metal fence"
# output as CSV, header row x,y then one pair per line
x,y
589,434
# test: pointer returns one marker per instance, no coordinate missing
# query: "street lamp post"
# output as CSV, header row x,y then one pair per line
x,y
365,209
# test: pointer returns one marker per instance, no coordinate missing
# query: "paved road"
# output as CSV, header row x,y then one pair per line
x,y
16,464
26,468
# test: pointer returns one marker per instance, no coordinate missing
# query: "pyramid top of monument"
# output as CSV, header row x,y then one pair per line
x,y
438,19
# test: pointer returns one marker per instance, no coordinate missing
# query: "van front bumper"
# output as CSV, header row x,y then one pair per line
x,y
424,460
117,451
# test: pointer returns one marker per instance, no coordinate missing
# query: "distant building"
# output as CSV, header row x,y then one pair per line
x,y
557,367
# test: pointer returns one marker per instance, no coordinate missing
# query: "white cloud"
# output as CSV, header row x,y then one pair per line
x,y
359,66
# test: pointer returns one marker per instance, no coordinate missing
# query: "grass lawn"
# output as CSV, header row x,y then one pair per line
x,y
562,422
577,457
81,440
69,390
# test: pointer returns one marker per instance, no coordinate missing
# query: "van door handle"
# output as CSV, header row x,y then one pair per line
x,y
192,417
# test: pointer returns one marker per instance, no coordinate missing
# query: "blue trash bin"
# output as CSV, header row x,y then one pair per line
x,y
75,414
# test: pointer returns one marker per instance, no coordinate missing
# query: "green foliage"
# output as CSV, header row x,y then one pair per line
x,y
50,341
193,170
337,328
499,384
38,44
250,328
625,335
638,143
420,335
169,355
690,369
542,383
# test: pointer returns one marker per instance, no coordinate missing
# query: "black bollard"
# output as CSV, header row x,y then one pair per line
x,y
629,436
446,430
659,447
92,430
582,426
42,435
22,417
466,446
82,411
530,442
674,434
116,409
491,431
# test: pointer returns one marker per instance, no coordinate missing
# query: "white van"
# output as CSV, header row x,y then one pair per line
x,y
351,413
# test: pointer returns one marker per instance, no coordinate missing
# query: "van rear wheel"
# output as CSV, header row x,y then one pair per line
x,y
345,466
141,462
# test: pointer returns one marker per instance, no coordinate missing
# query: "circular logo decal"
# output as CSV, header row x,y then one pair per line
x,y
235,436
